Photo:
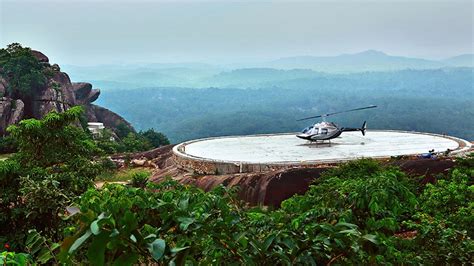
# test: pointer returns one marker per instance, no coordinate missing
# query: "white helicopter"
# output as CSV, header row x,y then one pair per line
x,y
328,130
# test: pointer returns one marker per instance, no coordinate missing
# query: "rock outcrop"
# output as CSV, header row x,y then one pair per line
x,y
11,111
272,187
58,94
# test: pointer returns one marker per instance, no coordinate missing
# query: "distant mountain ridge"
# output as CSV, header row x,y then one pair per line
x,y
370,60
461,60
199,75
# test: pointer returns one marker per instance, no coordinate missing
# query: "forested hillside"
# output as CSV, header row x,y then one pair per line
x,y
438,101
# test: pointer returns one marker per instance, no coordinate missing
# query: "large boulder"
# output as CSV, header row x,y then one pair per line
x,y
84,93
11,112
40,56
3,87
58,94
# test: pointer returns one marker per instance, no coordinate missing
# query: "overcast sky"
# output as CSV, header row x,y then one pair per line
x,y
100,32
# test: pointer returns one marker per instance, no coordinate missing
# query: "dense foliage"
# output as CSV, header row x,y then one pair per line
x,y
131,142
22,71
358,213
53,165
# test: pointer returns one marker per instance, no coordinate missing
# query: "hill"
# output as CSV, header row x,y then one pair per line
x,y
461,60
370,60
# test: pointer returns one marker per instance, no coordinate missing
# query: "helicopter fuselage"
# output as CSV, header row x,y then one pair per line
x,y
326,131
320,131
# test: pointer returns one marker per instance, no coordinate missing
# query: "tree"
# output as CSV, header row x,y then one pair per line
x,y
134,143
156,139
122,130
52,167
52,140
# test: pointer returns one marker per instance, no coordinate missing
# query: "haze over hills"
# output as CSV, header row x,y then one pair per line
x,y
214,100
461,60
200,75
370,60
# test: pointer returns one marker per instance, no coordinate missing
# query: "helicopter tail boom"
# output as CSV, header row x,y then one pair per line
x,y
361,129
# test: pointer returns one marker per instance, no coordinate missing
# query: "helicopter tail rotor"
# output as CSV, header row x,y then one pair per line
x,y
363,128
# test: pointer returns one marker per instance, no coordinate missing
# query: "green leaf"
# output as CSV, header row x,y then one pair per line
x,y
96,251
268,242
176,250
44,256
289,243
150,236
114,233
21,259
185,222
183,204
157,249
371,238
95,227
80,241
126,259
349,231
353,226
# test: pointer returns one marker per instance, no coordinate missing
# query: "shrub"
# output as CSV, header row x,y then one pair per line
x,y
140,179
53,165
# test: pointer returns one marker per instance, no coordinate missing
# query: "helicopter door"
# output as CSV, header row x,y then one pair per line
x,y
324,131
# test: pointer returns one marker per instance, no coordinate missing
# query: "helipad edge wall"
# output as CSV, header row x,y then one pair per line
x,y
200,165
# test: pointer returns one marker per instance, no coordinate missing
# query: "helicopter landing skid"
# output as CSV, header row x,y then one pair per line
x,y
319,142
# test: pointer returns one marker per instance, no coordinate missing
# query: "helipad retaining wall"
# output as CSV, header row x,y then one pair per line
x,y
208,166
203,166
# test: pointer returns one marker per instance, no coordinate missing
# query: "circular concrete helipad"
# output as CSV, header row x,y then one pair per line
x,y
240,152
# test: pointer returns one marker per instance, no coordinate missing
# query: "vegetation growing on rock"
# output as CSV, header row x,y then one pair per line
x,y
21,70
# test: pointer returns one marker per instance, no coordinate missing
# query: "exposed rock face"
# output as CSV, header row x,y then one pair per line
x,y
40,56
11,112
84,93
272,187
58,94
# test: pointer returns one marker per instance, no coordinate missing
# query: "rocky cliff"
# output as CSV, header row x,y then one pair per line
x,y
57,94
268,188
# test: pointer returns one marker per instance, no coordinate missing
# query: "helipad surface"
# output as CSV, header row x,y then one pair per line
x,y
287,148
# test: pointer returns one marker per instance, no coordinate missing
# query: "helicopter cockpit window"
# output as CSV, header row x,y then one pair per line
x,y
324,131
307,129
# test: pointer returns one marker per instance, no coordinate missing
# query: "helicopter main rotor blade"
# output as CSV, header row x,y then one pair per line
x,y
345,111
311,117
356,109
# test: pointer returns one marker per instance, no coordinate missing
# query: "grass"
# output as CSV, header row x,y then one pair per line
x,y
122,175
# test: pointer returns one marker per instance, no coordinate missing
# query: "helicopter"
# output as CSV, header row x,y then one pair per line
x,y
328,130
